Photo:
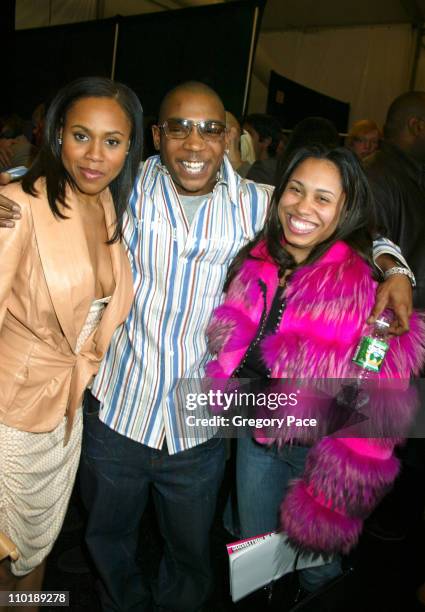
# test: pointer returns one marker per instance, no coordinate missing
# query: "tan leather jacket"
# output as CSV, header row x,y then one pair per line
x,y
47,285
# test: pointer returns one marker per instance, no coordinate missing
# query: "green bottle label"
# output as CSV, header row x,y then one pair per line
x,y
370,353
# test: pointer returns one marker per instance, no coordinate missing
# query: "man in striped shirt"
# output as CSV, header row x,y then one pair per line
x,y
189,215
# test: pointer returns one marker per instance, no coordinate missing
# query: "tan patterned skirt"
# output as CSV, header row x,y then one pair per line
x,y
37,474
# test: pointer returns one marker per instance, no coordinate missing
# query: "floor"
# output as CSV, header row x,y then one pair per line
x,y
381,575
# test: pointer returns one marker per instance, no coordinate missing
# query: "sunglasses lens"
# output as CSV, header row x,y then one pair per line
x,y
176,129
212,130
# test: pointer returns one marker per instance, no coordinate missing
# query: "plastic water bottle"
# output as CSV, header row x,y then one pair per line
x,y
369,356
371,350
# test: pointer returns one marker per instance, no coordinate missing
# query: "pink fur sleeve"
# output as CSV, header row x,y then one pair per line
x,y
343,481
345,478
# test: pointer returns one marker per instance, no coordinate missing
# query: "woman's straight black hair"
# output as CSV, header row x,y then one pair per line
x,y
48,162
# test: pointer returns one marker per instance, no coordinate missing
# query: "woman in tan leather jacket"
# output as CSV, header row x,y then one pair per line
x,y
65,287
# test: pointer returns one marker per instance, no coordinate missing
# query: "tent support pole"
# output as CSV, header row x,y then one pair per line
x,y
418,47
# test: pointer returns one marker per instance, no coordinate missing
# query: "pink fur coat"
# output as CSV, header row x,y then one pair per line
x,y
327,304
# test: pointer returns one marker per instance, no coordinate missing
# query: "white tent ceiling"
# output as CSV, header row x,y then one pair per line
x,y
278,14
298,14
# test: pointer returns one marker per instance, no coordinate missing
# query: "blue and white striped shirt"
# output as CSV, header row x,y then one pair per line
x,y
178,274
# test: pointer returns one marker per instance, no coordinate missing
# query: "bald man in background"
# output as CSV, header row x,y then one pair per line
x,y
234,151
396,175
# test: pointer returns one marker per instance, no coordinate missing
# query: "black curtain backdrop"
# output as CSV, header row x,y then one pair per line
x,y
291,102
155,52
209,44
7,27
47,58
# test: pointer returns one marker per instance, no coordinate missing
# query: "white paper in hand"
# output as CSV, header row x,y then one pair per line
x,y
255,562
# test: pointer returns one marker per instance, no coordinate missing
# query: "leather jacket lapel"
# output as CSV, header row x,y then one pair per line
x,y
122,298
66,264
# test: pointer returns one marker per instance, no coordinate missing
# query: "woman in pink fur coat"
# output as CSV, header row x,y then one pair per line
x,y
297,300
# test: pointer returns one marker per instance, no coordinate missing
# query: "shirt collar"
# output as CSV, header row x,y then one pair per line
x,y
227,180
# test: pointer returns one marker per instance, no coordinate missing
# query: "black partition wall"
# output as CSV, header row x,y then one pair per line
x,y
47,58
150,53
7,25
292,102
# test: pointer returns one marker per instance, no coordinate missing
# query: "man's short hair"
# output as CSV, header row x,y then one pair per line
x,y
410,104
195,87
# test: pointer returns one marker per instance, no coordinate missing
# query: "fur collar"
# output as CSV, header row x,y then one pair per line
x,y
327,304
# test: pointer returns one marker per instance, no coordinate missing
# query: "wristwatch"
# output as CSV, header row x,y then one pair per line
x,y
400,270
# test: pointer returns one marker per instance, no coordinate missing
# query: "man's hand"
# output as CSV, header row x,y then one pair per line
x,y
394,293
8,211
6,151
5,178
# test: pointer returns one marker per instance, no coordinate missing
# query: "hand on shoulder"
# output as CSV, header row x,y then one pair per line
x,y
10,211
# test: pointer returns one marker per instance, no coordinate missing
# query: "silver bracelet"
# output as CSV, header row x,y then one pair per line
x,y
400,270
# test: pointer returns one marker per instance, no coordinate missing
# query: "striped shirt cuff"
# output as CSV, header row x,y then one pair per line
x,y
384,246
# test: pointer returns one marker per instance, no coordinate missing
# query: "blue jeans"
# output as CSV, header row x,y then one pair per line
x,y
263,477
117,475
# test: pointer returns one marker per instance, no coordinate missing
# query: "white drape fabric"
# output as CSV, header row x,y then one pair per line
x,y
365,66
41,13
